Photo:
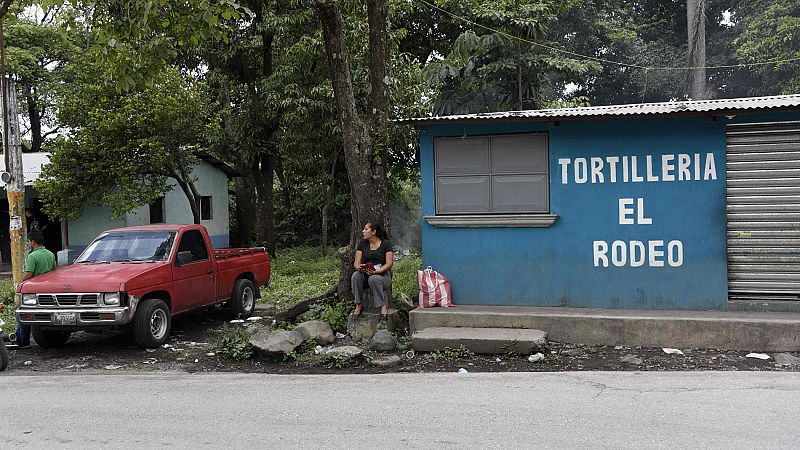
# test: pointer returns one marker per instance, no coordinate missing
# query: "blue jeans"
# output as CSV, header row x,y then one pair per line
x,y
23,335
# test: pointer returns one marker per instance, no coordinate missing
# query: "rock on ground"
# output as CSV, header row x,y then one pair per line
x,y
383,341
362,328
346,352
319,331
388,361
276,341
787,359
630,359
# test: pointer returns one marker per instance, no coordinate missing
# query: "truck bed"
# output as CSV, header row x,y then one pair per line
x,y
223,253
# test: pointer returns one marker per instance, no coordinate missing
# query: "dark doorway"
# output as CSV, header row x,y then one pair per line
x,y
50,228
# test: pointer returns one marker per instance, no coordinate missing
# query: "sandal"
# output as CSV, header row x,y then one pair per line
x,y
356,316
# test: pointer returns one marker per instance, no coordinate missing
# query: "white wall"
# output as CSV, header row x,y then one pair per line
x,y
211,181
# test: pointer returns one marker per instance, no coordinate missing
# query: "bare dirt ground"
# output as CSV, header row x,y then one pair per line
x,y
193,348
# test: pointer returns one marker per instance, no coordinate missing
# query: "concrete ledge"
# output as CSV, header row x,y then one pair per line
x,y
480,340
729,330
493,220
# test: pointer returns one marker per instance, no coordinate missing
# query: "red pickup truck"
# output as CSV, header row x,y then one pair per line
x,y
141,276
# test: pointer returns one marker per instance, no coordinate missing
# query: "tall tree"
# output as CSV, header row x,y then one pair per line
x,y
37,55
364,139
506,65
124,148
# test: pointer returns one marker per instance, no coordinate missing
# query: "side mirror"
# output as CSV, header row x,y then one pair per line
x,y
183,258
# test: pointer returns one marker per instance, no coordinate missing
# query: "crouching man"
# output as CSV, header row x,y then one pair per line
x,y
40,260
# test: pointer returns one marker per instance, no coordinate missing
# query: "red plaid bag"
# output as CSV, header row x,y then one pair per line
x,y
434,289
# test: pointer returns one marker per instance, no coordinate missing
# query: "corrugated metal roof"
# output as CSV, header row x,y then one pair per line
x,y
31,166
734,105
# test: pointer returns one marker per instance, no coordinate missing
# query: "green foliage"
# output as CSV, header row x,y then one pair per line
x,y
334,312
303,351
7,306
404,276
235,344
509,66
770,30
453,353
124,148
131,41
339,361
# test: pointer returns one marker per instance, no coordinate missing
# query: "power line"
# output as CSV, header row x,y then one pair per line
x,y
593,58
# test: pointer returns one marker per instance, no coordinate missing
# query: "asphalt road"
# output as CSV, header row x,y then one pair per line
x,y
448,410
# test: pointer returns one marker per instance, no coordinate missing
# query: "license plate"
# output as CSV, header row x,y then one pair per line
x,y
64,319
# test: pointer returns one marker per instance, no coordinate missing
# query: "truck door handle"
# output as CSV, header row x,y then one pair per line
x,y
209,272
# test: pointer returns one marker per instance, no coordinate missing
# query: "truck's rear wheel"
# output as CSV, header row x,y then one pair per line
x,y
49,338
152,323
243,298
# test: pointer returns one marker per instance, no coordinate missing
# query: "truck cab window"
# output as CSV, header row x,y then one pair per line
x,y
192,241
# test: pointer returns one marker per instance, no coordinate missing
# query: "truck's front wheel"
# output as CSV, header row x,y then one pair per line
x,y
152,323
243,298
49,338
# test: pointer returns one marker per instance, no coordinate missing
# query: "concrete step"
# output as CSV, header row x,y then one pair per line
x,y
728,330
480,340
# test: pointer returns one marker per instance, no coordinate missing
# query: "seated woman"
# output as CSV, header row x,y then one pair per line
x,y
373,263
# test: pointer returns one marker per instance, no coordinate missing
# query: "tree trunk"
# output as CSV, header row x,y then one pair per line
x,y
266,205
328,199
286,190
364,145
245,205
191,194
35,117
696,78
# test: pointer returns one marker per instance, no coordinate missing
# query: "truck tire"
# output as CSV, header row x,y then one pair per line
x,y
49,338
243,298
3,356
152,324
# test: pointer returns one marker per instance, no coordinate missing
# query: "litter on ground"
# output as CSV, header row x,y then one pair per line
x,y
536,357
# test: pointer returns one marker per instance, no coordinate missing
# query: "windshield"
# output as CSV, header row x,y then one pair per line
x,y
129,246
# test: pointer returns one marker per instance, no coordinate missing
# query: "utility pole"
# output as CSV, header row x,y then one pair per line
x,y
14,178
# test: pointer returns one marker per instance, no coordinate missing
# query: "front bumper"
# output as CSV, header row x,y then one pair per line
x,y
84,317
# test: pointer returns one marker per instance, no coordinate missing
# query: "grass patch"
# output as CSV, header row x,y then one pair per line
x,y
300,273
304,272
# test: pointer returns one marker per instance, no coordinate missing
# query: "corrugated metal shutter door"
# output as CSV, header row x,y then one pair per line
x,y
763,210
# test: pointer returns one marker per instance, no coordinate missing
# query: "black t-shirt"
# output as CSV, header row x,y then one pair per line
x,y
374,256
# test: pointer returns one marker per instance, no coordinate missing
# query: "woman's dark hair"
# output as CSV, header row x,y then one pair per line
x,y
378,229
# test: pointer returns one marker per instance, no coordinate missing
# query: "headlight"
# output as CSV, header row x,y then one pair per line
x,y
111,298
29,299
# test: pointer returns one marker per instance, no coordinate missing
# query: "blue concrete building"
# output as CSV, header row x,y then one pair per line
x,y
681,205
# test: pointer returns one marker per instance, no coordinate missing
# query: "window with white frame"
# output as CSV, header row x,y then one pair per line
x,y
503,174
